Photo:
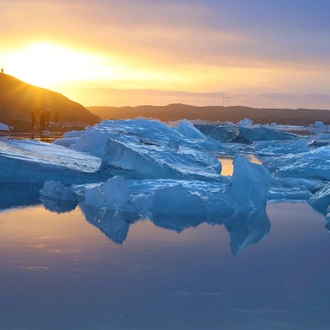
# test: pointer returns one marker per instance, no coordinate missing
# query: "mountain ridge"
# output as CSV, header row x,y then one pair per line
x,y
179,111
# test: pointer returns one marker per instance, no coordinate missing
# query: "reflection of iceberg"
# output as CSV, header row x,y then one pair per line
x,y
327,226
15,195
247,228
57,205
114,224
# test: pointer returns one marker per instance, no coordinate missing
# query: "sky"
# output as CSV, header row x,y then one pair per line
x,y
130,52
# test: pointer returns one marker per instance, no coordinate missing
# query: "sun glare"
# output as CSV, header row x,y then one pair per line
x,y
45,65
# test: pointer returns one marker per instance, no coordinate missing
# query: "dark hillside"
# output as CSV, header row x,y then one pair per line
x,y
18,99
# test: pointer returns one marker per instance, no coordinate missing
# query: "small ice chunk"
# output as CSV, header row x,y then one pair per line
x,y
318,124
4,127
188,130
113,194
246,122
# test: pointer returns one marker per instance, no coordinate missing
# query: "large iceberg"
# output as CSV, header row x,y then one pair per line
x,y
136,149
247,189
139,132
140,161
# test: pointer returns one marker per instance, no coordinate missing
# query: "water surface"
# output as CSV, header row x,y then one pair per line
x,y
60,271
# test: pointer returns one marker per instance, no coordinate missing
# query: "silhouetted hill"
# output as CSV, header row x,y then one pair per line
x,y
234,114
18,99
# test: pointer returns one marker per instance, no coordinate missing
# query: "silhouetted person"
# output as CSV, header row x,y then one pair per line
x,y
42,121
47,116
2,70
56,117
33,119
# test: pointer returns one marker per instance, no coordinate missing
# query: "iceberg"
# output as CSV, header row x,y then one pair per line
x,y
247,189
113,194
144,162
4,127
138,132
228,132
28,161
320,201
265,134
246,122
188,130
222,132
314,164
272,148
110,149
57,190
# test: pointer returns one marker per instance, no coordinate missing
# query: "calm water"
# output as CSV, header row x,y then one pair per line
x,y
227,164
60,271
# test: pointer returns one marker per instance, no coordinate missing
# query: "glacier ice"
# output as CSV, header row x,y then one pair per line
x,y
4,127
320,201
246,122
27,161
159,162
57,190
163,173
265,134
113,194
188,130
272,148
314,164
247,189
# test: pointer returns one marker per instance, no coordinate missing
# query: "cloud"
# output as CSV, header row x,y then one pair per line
x,y
187,44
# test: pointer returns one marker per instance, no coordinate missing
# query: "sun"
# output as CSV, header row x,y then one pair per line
x,y
45,64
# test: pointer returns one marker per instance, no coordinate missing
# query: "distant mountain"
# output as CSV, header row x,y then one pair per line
x,y
18,99
234,114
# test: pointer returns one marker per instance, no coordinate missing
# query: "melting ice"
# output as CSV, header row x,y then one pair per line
x,y
171,175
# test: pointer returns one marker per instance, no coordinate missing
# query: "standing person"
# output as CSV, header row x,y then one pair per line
x,y
42,121
47,116
56,117
33,119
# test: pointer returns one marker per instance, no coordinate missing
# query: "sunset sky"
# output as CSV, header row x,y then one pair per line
x,y
129,52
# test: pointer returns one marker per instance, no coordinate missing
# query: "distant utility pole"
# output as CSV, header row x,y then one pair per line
x,y
225,101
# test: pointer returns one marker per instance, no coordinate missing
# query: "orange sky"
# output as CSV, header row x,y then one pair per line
x,y
82,48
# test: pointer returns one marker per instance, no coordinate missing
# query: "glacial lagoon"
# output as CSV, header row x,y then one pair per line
x,y
129,225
